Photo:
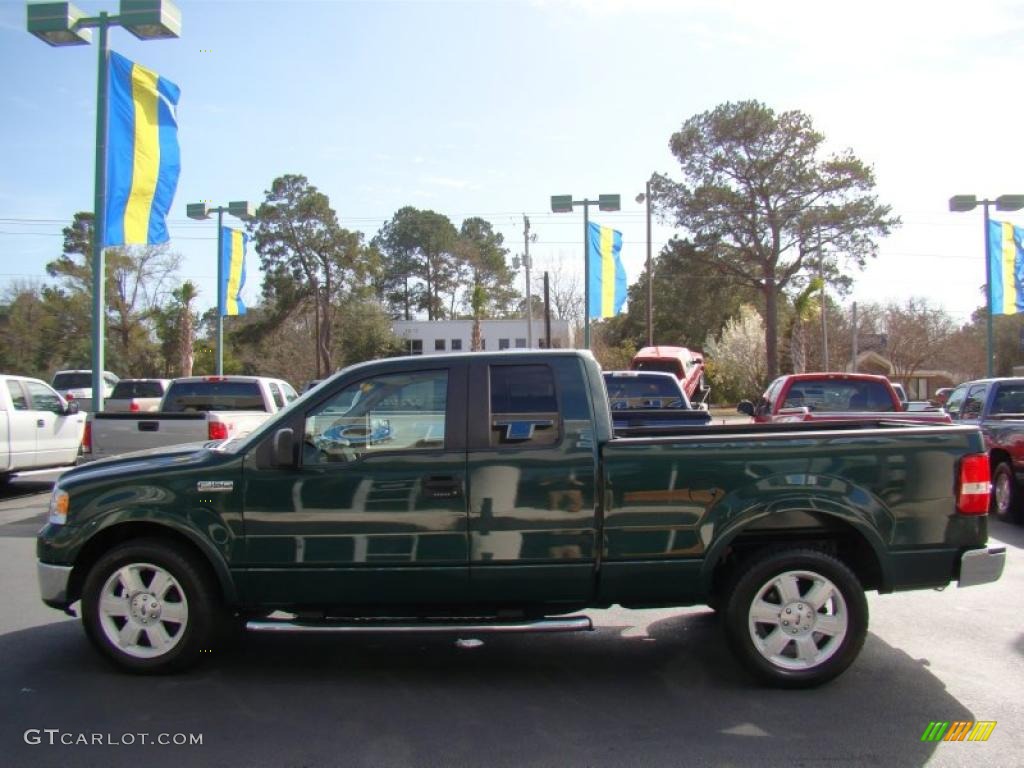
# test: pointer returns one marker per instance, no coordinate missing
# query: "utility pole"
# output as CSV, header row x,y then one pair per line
x,y
529,298
824,316
853,366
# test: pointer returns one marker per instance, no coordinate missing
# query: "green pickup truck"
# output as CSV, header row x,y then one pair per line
x,y
485,493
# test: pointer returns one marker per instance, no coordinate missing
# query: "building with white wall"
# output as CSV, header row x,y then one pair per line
x,y
426,337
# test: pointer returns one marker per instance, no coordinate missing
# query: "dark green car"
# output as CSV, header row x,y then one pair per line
x,y
486,492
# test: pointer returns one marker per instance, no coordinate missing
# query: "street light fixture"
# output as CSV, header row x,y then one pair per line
x,y
565,204
62,24
963,203
243,210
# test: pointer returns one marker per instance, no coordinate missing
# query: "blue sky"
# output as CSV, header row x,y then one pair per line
x,y
489,108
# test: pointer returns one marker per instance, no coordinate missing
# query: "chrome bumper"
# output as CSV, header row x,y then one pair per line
x,y
981,566
53,584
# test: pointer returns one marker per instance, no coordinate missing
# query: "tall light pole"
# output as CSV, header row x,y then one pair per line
x,y
645,196
243,210
565,204
962,203
61,24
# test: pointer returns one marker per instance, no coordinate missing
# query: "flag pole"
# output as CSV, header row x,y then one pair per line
x,y
221,292
99,221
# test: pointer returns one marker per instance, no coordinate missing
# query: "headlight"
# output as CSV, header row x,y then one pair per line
x,y
59,502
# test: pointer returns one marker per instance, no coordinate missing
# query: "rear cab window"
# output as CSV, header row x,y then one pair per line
x,y
524,406
204,396
126,390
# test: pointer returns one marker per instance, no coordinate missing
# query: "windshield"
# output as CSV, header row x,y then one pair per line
x,y
665,366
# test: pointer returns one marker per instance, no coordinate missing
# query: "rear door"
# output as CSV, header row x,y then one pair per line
x,y
376,512
532,483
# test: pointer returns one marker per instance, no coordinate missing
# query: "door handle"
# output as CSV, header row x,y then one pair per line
x,y
442,487
40,423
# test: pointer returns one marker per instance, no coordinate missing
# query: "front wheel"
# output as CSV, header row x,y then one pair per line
x,y
150,607
1006,502
796,618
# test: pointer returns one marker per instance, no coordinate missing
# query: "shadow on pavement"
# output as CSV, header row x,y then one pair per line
x,y
673,697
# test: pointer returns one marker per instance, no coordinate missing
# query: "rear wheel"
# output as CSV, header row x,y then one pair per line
x,y
149,606
1006,497
796,618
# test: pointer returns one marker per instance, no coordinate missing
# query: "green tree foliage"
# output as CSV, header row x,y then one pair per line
x,y
756,198
420,268
309,262
692,301
138,280
489,289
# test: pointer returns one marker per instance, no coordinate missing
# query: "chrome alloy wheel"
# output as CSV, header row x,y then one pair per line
x,y
798,620
143,610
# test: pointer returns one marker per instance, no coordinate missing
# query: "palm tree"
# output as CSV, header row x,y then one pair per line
x,y
185,295
805,308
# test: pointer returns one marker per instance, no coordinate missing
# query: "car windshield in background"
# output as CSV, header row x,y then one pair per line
x,y
124,390
204,396
839,396
72,381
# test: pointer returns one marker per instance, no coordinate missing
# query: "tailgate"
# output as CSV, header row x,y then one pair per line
x,y
115,433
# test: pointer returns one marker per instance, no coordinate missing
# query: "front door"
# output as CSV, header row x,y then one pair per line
x,y
22,427
58,435
375,513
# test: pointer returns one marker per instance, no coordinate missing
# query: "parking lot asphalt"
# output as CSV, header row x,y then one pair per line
x,y
652,687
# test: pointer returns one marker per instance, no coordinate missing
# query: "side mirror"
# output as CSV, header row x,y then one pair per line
x,y
746,408
284,449
70,408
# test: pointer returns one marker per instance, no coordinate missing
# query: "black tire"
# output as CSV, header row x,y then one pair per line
x,y
172,606
799,644
1006,496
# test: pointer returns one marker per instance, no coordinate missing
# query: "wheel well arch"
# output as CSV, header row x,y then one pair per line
x,y
998,456
819,531
112,536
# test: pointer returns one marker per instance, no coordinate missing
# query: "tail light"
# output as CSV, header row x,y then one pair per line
x,y
134,407
69,397
87,438
974,485
218,430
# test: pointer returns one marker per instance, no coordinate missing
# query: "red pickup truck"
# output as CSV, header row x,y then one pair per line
x,y
832,396
685,364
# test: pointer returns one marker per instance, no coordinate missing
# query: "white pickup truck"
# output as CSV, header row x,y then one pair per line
x,y
38,428
195,409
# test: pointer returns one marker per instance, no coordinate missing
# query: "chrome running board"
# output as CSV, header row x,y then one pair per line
x,y
567,624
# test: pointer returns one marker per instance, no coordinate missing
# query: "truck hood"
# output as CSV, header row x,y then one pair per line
x,y
143,461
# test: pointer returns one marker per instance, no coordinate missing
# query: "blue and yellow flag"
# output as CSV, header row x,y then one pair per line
x,y
143,159
607,284
232,269
1006,262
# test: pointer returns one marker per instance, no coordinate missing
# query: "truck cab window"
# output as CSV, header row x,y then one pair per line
x,y
393,412
524,406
